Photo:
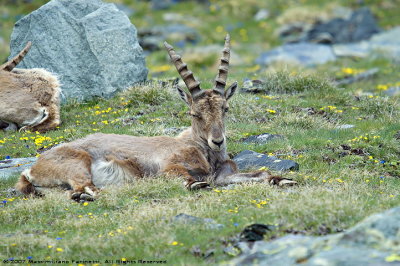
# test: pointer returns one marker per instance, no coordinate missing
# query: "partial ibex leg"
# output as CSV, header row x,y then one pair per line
x,y
228,175
71,167
193,179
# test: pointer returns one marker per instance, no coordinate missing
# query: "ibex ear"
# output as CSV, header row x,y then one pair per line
x,y
184,96
231,90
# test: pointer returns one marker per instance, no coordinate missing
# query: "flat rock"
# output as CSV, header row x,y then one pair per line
x,y
90,45
249,159
374,241
9,167
189,219
262,138
307,54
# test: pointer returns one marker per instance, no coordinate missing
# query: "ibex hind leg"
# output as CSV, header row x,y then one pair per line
x,y
66,166
228,175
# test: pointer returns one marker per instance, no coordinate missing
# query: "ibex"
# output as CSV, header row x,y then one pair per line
x,y
29,98
198,154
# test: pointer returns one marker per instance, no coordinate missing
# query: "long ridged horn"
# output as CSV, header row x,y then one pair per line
x,y
191,83
220,80
8,66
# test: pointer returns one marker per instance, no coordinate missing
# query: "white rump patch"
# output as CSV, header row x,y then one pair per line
x,y
109,173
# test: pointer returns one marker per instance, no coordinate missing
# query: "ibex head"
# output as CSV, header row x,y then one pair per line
x,y
207,107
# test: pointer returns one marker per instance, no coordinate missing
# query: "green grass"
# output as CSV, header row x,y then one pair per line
x,y
344,176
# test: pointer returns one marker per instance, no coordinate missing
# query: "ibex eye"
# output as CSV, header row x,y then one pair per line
x,y
226,109
195,115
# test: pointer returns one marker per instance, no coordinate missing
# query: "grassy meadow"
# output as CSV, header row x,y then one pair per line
x,y
345,174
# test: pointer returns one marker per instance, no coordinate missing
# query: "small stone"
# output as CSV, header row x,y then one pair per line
x,y
232,251
252,86
262,138
261,14
346,126
189,219
255,232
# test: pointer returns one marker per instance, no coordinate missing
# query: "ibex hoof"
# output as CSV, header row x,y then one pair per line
x,y
199,185
81,197
282,182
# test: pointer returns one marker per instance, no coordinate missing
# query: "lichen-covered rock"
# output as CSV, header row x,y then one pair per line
x,y
374,241
90,45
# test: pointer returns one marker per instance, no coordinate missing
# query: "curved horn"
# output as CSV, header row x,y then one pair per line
x,y
220,80
8,66
191,83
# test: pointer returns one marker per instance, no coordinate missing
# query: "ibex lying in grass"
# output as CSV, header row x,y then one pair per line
x,y
198,154
29,98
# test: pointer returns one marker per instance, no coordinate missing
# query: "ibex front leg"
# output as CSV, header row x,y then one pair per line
x,y
227,174
193,179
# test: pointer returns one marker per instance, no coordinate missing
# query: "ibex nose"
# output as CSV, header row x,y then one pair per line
x,y
218,143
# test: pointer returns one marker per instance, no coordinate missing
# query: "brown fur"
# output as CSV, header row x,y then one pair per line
x,y
29,98
25,186
198,154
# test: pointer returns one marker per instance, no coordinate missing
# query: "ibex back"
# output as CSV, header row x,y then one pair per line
x,y
198,154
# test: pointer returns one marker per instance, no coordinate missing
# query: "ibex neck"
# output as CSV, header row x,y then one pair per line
x,y
213,157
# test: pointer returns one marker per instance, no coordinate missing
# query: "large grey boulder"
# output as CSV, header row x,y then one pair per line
x,y
92,46
374,241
